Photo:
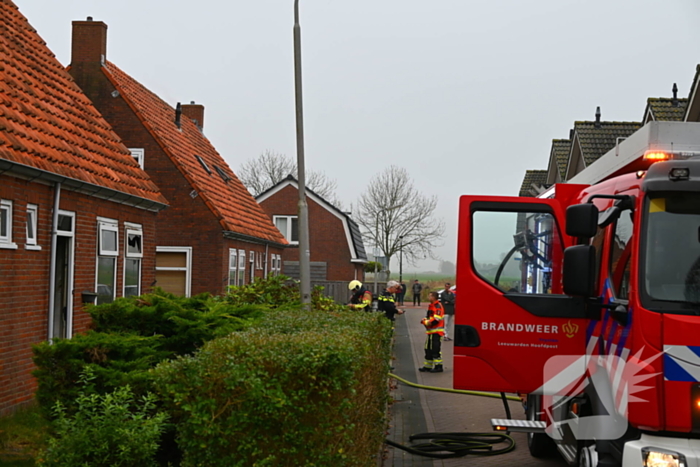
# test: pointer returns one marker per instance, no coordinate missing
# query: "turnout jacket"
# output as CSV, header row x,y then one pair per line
x,y
434,319
361,300
387,303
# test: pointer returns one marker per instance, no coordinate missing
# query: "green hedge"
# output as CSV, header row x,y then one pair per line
x,y
130,337
296,389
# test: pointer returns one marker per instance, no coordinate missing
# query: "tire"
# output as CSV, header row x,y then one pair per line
x,y
539,444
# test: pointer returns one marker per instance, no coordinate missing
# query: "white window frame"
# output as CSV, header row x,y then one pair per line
x,y
252,266
6,240
71,277
107,225
273,264
232,266
188,264
138,154
241,267
132,229
279,264
32,227
259,261
288,233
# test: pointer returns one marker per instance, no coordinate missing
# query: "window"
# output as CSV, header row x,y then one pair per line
x,y
514,251
173,269
224,176
32,219
289,226
259,261
203,164
252,267
137,154
6,225
276,264
108,250
241,267
132,260
232,266
620,255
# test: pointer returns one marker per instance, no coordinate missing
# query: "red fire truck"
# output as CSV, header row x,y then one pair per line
x,y
587,300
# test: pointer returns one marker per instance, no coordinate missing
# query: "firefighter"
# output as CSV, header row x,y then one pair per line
x,y
361,299
434,328
387,300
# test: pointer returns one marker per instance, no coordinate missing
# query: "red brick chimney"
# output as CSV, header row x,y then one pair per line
x,y
194,112
89,42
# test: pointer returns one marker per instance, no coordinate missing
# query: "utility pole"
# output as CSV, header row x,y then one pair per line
x,y
401,259
304,253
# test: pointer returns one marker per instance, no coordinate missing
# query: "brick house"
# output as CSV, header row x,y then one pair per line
x,y
214,234
77,213
335,241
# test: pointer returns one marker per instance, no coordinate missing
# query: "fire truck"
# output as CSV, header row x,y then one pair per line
x,y
586,302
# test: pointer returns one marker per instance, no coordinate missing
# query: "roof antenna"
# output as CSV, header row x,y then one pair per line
x,y
178,114
597,117
675,96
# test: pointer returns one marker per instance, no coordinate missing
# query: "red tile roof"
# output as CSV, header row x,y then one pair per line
x,y
47,123
230,201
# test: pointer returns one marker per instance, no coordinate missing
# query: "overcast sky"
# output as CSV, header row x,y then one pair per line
x,y
466,95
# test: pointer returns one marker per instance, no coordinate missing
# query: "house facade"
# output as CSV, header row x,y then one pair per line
x,y
77,213
214,234
335,242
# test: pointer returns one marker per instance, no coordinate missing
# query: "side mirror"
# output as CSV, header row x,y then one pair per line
x,y
579,270
582,220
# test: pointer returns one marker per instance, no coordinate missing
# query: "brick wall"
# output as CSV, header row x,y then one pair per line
x,y
327,239
24,275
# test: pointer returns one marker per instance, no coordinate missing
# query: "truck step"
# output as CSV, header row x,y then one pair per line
x,y
525,426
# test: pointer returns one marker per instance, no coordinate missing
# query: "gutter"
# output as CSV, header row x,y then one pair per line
x,y
228,234
119,197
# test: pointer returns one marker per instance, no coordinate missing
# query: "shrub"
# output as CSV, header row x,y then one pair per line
x,y
296,389
131,336
107,430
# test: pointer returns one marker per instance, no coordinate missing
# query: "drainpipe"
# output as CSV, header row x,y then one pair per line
x,y
52,260
267,255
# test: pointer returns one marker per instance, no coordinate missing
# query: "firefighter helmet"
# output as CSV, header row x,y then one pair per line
x,y
354,284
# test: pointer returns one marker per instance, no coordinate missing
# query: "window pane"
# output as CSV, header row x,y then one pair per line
x,y
133,243
109,240
3,222
105,279
513,251
295,230
620,255
281,224
172,281
132,270
171,260
31,228
65,223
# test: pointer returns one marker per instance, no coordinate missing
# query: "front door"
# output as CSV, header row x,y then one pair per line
x,y
511,315
61,322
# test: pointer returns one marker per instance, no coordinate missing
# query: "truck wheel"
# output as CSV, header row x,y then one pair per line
x,y
539,444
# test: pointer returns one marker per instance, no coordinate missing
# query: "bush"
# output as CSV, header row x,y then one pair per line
x,y
109,430
296,389
131,336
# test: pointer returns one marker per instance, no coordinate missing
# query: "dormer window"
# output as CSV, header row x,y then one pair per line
x,y
204,164
137,154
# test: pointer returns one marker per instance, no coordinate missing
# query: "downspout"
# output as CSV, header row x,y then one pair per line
x,y
267,248
52,260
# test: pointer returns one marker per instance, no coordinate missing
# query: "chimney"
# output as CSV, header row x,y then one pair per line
x,y
597,117
675,96
194,112
89,44
178,114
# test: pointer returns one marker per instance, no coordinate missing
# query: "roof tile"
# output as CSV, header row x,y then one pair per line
x,y
533,178
595,139
47,123
666,108
229,200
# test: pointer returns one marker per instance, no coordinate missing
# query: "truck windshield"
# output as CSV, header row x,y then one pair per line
x,y
671,246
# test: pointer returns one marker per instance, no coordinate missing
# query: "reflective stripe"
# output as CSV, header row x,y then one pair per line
x,y
434,330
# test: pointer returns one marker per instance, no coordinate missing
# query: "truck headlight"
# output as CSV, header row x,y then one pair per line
x,y
655,457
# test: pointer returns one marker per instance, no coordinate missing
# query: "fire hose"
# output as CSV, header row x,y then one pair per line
x,y
450,445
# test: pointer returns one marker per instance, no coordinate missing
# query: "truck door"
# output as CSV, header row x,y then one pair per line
x,y
511,315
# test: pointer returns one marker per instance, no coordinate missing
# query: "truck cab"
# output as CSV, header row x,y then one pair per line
x,y
587,301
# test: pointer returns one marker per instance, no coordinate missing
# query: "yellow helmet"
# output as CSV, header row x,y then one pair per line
x,y
354,284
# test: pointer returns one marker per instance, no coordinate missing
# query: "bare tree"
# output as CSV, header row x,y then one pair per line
x,y
394,216
270,168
